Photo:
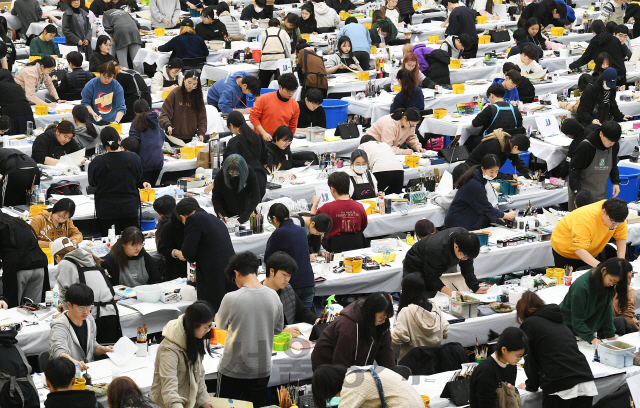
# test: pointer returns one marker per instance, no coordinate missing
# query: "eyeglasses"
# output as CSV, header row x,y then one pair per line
x,y
135,246
82,309
315,105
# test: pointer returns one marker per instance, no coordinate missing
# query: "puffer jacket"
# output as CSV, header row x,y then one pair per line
x,y
417,327
48,232
233,27
421,52
176,382
438,70
64,340
603,42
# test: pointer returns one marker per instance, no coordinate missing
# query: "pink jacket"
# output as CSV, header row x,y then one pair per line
x,y
30,78
390,132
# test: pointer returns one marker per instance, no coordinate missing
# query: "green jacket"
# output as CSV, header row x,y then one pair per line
x,y
294,39
394,29
585,310
42,48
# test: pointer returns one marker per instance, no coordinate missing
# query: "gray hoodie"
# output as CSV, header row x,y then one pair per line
x,y
164,9
67,275
85,139
325,15
64,340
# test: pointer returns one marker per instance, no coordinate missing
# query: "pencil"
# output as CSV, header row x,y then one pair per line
x,y
241,101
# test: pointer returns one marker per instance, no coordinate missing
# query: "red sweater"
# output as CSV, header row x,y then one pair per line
x,y
348,216
271,112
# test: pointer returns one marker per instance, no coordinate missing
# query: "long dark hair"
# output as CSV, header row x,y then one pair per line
x,y
615,267
141,108
377,15
412,114
311,21
600,59
81,114
343,40
195,96
489,161
130,235
247,134
536,39
408,82
197,314
326,383
375,303
414,292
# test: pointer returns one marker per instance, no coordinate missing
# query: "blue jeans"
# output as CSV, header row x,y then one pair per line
x,y
307,300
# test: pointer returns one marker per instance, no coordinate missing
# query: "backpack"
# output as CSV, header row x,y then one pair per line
x,y
314,67
16,391
64,187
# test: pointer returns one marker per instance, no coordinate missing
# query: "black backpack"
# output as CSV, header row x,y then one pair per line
x,y
16,390
65,187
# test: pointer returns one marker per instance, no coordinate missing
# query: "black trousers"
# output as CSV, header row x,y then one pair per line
x,y
391,182
621,325
14,186
560,261
19,125
363,58
151,176
120,223
553,401
253,390
265,75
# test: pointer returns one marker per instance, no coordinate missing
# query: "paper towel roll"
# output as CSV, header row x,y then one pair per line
x,y
515,294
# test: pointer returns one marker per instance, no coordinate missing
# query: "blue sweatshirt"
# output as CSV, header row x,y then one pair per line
x,y
292,239
185,46
226,93
571,14
151,141
401,101
511,95
470,204
360,38
105,100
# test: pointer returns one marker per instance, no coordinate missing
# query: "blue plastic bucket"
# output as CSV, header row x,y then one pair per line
x,y
251,101
484,238
629,184
508,166
194,13
60,40
148,224
336,111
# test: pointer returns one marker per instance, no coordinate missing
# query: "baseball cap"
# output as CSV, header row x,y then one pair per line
x,y
60,244
610,75
187,22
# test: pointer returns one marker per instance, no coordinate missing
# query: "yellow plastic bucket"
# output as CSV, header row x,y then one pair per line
x,y
49,254
397,88
308,36
557,31
591,65
34,58
353,265
439,113
165,94
484,39
416,6
147,194
96,74
458,88
80,384
411,160
363,75
159,32
482,19
426,400
117,126
454,64
42,109
187,152
197,149
433,39
557,273
343,15
374,50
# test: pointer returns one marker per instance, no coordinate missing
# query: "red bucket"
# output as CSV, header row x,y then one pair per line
x,y
257,54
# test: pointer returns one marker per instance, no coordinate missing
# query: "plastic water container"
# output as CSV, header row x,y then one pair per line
x,y
508,167
616,353
629,184
251,101
60,40
336,111
148,224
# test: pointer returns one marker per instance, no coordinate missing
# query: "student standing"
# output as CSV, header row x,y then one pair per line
x,y
164,13
341,5
169,77
325,15
19,174
187,44
146,129
230,22
278,108
397,129
274,43
50,226
36,74
252,315
56,141
134,89
604,41
102,53
613,10
236,190
28,11
14,103
311,70
547,12
505,147
183,113
60,377
125,32
361,40
86,133
128,264
72,83
461,20
104,97
207,244
228,93
77,28
598,102
43,45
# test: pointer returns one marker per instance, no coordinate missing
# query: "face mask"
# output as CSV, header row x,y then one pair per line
x,y
257,9
487,177
606,88
359,169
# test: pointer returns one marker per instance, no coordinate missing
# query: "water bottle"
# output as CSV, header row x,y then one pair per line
x,y
194,141
353,91
78,372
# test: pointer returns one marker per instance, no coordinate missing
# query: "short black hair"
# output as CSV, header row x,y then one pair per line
x,y
561,9
424,228
222,7
385,27
531,52
131,144
496,90
314,95
5,122
60,372
245,263
75,58
274,22
288,82
64,205
514,76
340,182
165,205
177,62
616,209
282,133
621,29
253,84
465,40
279,211
292,18
468,243
611,130
281,261
186,206
79,294
508,66
261,3
350,20
522,141
611,27
519,35
584,197
367,138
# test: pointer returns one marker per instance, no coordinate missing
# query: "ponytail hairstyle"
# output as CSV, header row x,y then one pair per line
x,y
412,114
81,114
489,161
64,126
235,162
141,121
247,134
407,82
322,223
110,138
130,235
278,211
615,267
45,62
195,96
50,29
414,292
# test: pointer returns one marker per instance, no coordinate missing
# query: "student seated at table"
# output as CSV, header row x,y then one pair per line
x,y
362,183
505,147
583,81
455,45
498,114
73,333
331,381
445,200
360,40
254,12
419,322
341,61
563,373
14,103
178,374
134,88
526,60
622,33
125,31
341,5
27,11
349,217
534,35
50,226
380,35
410,63
169,77
35,74
211,29
278,108
146,129
522,40
311,111
598,102
43,45
186,45
582,234
280,268
359,336
71,84
227,94
510,82
625,319
60,376
603,41
471,208
410,96
230,22
104,97
127,263
124,392
587,308
308,24
86,133
274,45
102,53
547,12
236,191
55,142
397,129
499,369
382,161
279,150
326,17
183,112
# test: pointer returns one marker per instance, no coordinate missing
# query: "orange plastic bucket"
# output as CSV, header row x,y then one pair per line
x,y
257,54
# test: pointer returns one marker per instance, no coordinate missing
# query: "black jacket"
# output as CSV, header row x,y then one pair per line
x,y
405,8
603,42
249,13
12,364
309,118
504,121
97,59
214,31
592,106
13,100
71,399
128,78
583,156
548,366
172,237
566,165
113,269
486,379
462,20
207,243
278,156
97,7
376,38
72,84
633,11
492,146
438,70
308,26
429,360
117,194
228,202
255,155
542,11
433,255
46,145
526,90
11,159
338,6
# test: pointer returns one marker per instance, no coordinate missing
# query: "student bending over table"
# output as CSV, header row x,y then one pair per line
x,y
362,183
35,74
398,128
55,142
134,89
625,319
128,264
60,377
73,333
505,147
499,114
526,60
387,169
50,226
410,95
187,44
315,226
598,102
227,94
183,112
278,108
236,190
169,77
